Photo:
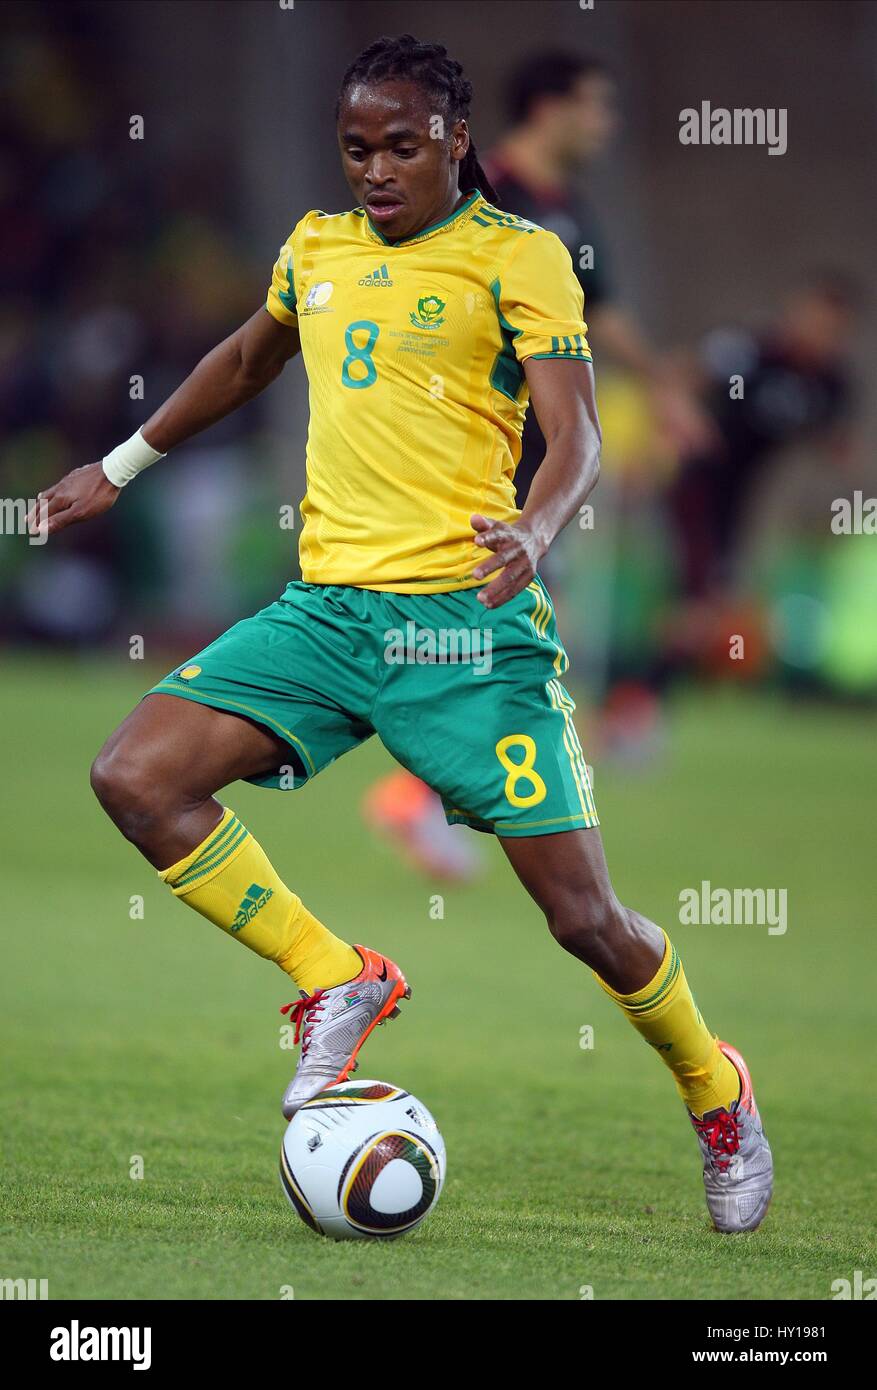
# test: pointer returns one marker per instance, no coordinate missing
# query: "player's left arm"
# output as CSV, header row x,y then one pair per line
x,y
562,394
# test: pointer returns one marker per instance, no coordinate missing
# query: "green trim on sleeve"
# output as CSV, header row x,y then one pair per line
x,y
284,316
577,355
506,374
287,296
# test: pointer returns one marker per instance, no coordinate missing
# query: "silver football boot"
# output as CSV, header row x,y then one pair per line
x,y
737,1162
333,1024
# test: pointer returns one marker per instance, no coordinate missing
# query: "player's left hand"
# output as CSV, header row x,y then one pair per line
x,y
517,552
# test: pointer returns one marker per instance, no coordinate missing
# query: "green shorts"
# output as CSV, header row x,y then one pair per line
x,y
468,699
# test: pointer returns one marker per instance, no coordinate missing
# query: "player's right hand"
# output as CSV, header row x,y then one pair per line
x,y
81,494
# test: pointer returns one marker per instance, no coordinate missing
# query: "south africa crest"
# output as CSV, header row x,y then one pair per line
x,y
429,312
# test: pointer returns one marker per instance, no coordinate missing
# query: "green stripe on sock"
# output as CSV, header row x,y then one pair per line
x,y
663,990
190,878
215,853
218,838
216,842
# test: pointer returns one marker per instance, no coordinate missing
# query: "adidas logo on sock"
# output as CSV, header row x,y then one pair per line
x,y
254,899
377,278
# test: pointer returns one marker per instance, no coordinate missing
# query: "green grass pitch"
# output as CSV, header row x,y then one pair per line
x,y
567,1168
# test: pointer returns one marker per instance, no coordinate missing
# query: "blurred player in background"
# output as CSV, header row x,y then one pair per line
x,y
562,113
783,384
561,109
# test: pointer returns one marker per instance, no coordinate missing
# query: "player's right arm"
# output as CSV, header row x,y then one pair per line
x,y
231,374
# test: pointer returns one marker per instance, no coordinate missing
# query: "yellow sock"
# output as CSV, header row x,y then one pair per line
x,y
229,879
665,1014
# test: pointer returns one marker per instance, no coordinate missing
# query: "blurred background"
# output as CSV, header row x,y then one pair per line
x,y
723,639
126,258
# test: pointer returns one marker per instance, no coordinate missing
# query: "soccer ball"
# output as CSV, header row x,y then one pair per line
x,y
362,1158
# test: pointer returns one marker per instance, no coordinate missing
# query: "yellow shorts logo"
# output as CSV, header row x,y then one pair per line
x,y
189,673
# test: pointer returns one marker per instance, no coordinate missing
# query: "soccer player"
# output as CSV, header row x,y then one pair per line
x,y
426,319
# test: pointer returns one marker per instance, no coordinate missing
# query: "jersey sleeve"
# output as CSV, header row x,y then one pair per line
x,y
540,301
281,302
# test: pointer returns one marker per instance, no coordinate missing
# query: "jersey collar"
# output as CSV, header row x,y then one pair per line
x,y
463,211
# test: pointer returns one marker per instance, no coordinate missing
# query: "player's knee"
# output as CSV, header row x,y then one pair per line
x,y
123,786
582,919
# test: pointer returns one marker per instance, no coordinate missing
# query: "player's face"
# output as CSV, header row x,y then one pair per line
x,y
586,120
399,161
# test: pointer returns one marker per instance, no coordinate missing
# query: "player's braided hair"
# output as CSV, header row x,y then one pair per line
x,y
429,66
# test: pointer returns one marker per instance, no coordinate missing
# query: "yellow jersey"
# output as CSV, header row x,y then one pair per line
x,y
414,353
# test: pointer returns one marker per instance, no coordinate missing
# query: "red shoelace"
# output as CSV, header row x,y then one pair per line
x,y
305,1011
723,1136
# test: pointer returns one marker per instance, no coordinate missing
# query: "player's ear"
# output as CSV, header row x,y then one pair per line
x,y
460,140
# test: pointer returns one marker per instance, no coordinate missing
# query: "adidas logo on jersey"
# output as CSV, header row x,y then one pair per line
x,y
378,277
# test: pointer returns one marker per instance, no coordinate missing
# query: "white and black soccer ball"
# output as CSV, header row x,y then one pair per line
x,y
362,1158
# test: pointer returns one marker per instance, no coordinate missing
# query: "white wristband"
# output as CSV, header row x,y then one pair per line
x,y
129,459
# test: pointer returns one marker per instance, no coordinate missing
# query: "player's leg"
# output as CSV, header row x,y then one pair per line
x,y
637,965
496,737
633,960
274,700
156,778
